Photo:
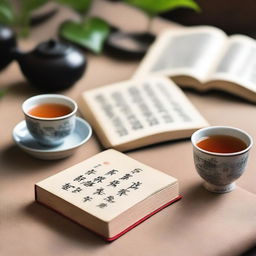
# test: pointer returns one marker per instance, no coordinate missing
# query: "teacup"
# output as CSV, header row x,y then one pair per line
x,y
220,170
50,118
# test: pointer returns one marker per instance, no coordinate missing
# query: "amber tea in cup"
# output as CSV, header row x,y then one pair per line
x,y
50,118
50,110
221,144
220,156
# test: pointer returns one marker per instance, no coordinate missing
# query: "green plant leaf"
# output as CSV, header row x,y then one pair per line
x,y
6,12
2,93
22,21
30,5
153,7
90,34
81,6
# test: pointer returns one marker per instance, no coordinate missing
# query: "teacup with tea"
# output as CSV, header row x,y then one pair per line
x,y
220,156
50,118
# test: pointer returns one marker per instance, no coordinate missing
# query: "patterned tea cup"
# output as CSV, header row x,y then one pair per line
x,y
220,170
53,130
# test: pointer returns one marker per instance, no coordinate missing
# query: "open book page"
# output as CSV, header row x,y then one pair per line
x,y
238,64
135,109
186,52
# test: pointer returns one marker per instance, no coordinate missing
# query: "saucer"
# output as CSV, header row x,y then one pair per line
x,y
26,142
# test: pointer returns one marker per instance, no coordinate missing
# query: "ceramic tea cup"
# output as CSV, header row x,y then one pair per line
x,y
220,170
50,118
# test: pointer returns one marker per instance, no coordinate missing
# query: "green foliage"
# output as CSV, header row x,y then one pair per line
x,y
6,12
81,6
90,34
153,7
27,6
21,20
2,93
30,5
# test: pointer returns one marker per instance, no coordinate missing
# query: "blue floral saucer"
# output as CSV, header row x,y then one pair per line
x,y
26,142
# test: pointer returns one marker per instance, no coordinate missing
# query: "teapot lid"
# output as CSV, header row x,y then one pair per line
x,y
52,48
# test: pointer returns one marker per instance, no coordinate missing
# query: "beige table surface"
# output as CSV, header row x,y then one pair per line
x,y
201,223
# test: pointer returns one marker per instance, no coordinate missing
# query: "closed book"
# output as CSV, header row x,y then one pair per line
x,y
109,193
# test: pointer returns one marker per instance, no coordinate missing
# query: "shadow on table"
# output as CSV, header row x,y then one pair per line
x,y
20,88
195,198
25,89
215,94
20,162
63,226
250,252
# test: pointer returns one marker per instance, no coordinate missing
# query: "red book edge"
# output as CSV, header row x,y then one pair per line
x,y
110,239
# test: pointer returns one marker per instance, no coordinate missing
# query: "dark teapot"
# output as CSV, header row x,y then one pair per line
x,y
7,44
52,65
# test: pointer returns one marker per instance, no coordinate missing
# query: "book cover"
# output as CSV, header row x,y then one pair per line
x,y
109,193
140,112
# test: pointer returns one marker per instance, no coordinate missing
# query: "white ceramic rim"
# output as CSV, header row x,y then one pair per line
x,y
222,154
51,96
53,150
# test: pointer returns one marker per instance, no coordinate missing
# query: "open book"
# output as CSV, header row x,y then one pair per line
x,y
109,193
140,112
204,58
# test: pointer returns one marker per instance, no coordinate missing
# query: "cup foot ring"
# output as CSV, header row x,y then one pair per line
x,y
219,189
